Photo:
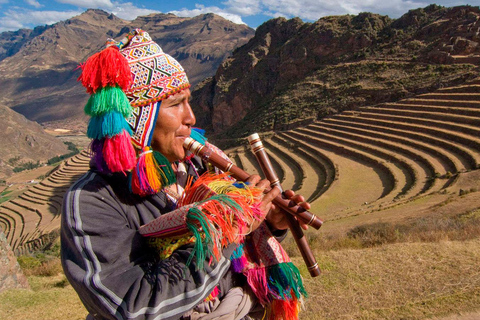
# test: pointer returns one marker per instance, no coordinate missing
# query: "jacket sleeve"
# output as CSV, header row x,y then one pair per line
x,y
114,274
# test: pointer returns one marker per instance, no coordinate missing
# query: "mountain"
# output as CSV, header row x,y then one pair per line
x,y
293,72
24,141
200,43
39,66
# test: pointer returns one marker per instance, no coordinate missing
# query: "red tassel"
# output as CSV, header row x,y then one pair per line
x,y
118,153
135,185
106,68
283,310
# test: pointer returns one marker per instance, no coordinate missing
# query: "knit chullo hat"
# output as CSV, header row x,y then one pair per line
x,y
127,82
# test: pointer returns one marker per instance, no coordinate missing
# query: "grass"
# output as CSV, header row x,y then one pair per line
x,y
50,295
4,195
422,269
49,298
396,281
433,228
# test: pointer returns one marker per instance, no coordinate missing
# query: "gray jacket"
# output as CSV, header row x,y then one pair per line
x,y
116,275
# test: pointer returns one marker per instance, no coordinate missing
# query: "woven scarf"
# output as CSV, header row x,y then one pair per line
x,y
216,211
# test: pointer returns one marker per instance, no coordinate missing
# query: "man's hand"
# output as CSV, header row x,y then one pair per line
x,y
276,217
266,203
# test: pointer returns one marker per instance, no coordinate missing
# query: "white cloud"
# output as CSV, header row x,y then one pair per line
x,y
243,7
104,4
34,3
201,9
128,11
124,10
16,18
313,9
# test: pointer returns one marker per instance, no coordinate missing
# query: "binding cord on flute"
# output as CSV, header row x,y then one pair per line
x,y
227,166
264,161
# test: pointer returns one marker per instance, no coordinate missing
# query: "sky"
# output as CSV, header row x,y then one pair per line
x,y
17,14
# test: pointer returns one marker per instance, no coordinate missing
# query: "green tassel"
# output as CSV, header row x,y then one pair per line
x,y
195,218
166,171
285,277
226,200
108,99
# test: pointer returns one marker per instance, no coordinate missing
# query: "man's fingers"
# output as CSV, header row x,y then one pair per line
x,y
272,194
263,184
253,179
289,193
298,198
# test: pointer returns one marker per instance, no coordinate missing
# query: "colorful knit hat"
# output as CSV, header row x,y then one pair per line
x,y
127,82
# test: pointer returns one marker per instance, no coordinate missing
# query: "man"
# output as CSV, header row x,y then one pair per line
x,y
114,270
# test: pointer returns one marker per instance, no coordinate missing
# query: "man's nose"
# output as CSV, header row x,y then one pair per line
x,y
188,115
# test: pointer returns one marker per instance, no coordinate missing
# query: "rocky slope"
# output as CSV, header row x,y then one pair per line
x,y
38,66
293,71
24,141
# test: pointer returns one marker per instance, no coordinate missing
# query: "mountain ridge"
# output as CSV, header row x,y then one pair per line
x,y
292,71
40,67
24,141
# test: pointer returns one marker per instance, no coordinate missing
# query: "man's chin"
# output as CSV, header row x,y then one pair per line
x,y
179,156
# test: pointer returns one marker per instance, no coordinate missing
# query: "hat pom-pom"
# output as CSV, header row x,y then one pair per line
x,y
118,153
107,125
106,100
105,68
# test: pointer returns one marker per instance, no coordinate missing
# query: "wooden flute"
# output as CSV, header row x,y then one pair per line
x,y
227,166
264,161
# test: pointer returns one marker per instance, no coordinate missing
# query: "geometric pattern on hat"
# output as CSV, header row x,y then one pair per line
x,y
142,121
156,75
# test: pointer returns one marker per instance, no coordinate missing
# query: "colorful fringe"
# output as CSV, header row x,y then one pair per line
x,y
221,213
152,173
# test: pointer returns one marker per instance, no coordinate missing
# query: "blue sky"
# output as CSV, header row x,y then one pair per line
x,y
17,14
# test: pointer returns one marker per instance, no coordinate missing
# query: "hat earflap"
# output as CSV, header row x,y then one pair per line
x,y
153,171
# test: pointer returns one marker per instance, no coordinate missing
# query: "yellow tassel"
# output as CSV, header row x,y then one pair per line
x,y
152,172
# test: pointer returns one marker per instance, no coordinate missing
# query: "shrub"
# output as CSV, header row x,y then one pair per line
x,y
26,166
427,229
13,161
375,234
71,146
46,261
28,262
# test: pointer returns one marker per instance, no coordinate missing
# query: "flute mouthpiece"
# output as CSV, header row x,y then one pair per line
x,y
192,145
255,142
253,136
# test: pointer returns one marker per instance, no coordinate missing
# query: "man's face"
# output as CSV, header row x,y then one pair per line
x,y
174,122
